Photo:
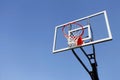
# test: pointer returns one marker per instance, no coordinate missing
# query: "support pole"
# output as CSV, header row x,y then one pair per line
x,y
94,73
92,60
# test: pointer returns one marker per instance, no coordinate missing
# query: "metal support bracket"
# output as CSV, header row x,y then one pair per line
x,y
92,60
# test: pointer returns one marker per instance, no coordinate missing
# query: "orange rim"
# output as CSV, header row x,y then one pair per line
x,y
67,36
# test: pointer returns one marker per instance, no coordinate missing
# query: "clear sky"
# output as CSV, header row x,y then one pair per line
x,y
26,38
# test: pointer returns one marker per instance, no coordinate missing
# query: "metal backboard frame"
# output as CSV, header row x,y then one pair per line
x,y
108,38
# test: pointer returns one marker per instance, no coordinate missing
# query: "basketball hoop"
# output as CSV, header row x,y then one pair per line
x,y
74,39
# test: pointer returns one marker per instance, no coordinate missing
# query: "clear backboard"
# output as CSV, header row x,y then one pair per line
x,y
82,32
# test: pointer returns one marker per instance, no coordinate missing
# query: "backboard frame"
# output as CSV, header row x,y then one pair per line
x,y
86,44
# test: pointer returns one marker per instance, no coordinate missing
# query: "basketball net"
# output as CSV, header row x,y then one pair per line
x,y
74,39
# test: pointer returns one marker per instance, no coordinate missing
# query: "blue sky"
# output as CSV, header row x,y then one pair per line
x,y
26,38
